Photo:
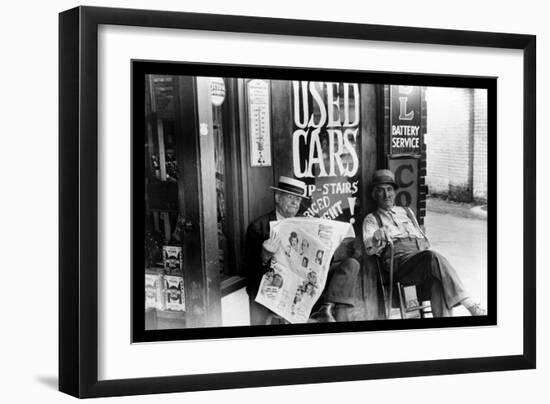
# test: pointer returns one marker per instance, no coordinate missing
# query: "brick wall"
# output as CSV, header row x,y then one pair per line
x,y
480,145
423,189
456,142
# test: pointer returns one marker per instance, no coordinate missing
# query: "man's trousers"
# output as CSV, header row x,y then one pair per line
x,y
414,264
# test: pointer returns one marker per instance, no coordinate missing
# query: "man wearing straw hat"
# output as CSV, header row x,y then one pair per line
x,y
261,246
413,262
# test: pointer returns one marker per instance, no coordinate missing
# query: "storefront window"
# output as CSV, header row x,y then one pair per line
x,y
180,152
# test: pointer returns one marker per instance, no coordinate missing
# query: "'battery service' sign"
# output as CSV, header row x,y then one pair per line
x,y
405,119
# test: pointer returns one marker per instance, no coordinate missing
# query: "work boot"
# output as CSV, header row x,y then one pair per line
x,y
324,314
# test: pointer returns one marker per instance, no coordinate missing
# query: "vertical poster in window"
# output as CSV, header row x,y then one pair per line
x,y
172,259
175,296
153,298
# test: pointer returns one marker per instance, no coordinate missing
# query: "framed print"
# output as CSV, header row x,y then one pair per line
x,y
235,187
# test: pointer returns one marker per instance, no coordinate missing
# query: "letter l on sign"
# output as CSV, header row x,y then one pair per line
x,y
403,114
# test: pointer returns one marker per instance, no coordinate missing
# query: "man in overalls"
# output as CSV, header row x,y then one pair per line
x,y
414,263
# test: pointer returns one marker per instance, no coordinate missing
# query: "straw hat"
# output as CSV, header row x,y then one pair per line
x,y
291,186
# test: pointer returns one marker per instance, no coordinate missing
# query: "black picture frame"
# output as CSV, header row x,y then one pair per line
x,y
78,206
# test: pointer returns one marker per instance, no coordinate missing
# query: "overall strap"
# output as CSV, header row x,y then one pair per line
x,y
412,218
411,215
378,218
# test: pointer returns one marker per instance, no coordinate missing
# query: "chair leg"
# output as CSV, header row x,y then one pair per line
x,y
387,306
401,301
390,246
390,302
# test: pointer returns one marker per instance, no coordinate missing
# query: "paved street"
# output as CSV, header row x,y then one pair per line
x,y
460,233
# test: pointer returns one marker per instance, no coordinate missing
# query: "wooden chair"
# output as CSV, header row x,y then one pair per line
x,y
407,295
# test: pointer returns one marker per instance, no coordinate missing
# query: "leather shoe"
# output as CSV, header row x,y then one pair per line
x,y
324,314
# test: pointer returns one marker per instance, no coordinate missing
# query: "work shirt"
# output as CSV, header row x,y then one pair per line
x,y
397,224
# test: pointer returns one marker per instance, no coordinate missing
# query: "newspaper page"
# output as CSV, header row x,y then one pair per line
x,y
299,268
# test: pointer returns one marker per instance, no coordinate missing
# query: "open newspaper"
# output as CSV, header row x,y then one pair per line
x,y
299,269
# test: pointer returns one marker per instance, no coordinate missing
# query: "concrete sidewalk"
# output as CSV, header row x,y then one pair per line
x,y
459,232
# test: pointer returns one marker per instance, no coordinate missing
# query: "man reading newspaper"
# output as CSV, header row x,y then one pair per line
x,y
269,259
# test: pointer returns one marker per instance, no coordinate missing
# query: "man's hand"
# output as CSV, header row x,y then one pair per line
x,y
270,247
272,244
381,235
